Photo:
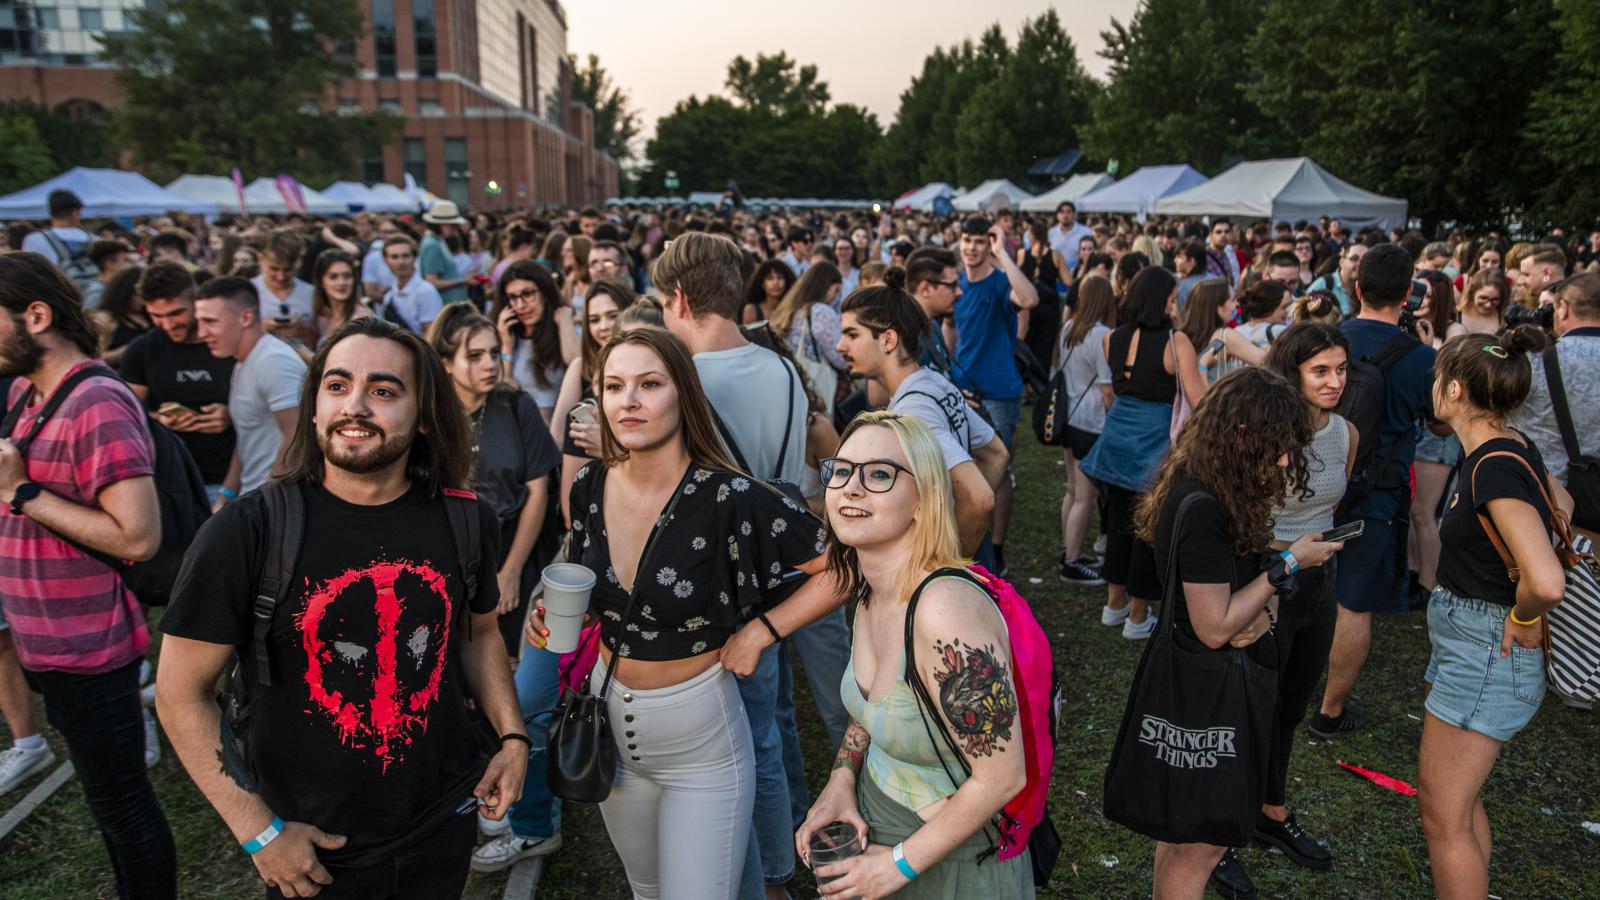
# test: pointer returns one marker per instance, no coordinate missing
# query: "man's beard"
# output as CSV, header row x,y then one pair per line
x,y
368,460
21,353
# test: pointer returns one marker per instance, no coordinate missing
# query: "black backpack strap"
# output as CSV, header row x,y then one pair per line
x,y
1394,351
461,507
1558,402
788,418
57,397
727,438
284,532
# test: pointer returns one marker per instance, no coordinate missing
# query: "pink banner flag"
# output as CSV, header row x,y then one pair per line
x,y
289,190
238,185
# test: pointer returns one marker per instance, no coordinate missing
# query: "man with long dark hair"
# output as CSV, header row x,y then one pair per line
x,y
78,478
368,752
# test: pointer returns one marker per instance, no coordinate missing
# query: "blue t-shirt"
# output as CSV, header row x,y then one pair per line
x,y
1408,400
986,330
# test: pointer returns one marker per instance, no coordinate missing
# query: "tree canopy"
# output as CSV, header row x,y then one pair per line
x,y
616,122
213,84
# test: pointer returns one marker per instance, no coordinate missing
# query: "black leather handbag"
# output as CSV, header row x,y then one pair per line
x,y
581,758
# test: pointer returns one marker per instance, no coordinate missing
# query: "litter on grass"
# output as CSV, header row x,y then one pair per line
x,y
1109,862
1380,779
1036,581
1592,827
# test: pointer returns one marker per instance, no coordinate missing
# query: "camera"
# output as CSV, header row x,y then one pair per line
x,y
1542,316
1412,303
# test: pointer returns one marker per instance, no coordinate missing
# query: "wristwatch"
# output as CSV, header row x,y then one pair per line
x,y
25,492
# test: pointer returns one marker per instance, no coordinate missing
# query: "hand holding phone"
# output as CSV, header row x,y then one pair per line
x,y
1345,532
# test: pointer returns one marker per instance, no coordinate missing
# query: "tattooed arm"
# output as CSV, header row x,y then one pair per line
x,y
963,655
853,750
837,802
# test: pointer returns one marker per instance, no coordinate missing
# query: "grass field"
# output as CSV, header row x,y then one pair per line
x,y
1540,796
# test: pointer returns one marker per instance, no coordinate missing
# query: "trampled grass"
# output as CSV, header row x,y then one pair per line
x,y
1539,797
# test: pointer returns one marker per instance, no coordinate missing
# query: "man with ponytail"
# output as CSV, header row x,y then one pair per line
x,y
883,330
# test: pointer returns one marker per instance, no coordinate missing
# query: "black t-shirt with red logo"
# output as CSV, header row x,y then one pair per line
x,y
364,730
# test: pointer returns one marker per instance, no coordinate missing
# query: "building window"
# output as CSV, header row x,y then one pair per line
x,y
533,69
416,159
383,37
458,178
349,107
90,20
430,108
427,38
372,169
391,106
522,58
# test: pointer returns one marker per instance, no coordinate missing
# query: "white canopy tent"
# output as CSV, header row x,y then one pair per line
x,y
266,189
1286,190
921,199
1071,189
984,194
388,198
353,194
1137,194
213,189
105,193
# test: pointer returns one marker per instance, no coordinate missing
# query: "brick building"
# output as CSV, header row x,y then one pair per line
x,y
482,85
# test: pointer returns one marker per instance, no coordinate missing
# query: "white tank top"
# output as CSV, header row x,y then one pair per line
x,y
1325,462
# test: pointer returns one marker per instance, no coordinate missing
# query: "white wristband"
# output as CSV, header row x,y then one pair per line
x,y
267,836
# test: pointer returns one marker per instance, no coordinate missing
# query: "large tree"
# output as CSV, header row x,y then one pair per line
x,y
1429,102
776,135
24,155
213,84
1564,124
1177,88
616,122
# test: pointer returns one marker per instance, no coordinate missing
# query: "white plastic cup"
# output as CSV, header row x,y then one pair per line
x,y
566,599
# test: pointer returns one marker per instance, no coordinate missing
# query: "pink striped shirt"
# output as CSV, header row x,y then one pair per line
x,y
67,611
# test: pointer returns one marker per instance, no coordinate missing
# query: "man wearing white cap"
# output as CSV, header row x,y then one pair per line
x,y
435,263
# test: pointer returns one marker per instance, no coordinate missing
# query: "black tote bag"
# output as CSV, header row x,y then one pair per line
x,y
1190,762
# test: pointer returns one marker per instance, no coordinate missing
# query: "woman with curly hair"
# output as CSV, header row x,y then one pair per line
x,y
1238,454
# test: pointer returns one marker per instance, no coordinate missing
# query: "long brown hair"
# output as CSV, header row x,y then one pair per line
x,y
620,294
1231,445
321,303
1199,319
441,454
454,326
811,288
546,337
1096,306
700,435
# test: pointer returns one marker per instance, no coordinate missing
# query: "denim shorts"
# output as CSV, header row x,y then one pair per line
x,y
1474,687
1446,451
1005,415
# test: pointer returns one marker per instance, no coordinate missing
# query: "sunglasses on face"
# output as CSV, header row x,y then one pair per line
x,y
877,476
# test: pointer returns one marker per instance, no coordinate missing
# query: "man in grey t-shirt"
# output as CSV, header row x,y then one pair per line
x,y
1577,322
264,395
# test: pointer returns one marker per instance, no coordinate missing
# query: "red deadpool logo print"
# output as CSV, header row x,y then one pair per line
x,y
376,640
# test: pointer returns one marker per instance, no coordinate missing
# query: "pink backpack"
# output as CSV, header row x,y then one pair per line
x,y
1023,822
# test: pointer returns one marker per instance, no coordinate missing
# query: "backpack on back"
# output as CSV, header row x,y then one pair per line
x,y
1362,405
180,492
1024,822
75,262
279,552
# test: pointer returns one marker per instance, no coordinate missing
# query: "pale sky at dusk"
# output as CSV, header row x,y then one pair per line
x,y
867,52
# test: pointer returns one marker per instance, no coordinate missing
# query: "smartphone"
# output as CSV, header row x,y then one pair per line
x,y
1346,532
1419,292
283,314
172,409
1214,346
583,413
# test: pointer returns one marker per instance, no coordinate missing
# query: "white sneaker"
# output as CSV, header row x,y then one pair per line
x,y
1111,618
508,849
152,741
147,694
490,828
18,765
1138,631
1100,545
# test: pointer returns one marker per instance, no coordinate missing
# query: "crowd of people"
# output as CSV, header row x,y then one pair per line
x,y
769,434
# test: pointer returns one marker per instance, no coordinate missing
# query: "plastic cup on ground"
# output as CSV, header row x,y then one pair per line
x,y
566,600
835,842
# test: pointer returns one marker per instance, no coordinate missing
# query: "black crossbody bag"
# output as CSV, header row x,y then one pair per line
x,y
1583,472
581,758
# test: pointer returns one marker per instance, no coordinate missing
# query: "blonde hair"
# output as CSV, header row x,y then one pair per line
x,y
1315,307
935,543
1145,244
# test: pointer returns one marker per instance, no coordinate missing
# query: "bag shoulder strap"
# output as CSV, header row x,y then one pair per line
x,y
1173,586
1558,401
284,533
461,508
788,418
638,576
1557,521
66,253
53,403
1394,351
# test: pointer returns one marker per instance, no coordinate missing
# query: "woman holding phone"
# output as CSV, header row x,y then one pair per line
x,y
537,335
1314,358
686,549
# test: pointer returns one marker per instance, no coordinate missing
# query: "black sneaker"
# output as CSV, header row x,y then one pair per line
x,y
1074,572
1231,880
1000,568
1326,727
1289,837
1092,560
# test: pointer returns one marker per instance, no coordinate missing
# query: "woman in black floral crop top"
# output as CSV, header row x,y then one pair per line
x,y
686,548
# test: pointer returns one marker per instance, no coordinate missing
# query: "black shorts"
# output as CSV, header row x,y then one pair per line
x,y
1080,442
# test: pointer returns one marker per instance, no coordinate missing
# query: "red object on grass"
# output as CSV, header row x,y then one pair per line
x,y
1380,779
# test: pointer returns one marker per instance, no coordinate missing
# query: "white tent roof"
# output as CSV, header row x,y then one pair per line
x,y
1286,190
355,195
1071,189
213,189
921,199
389,198
267,190
1138,193
104,192
980,196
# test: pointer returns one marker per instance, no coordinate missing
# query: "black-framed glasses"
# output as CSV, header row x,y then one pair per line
x,y
527,296
951,285
877,476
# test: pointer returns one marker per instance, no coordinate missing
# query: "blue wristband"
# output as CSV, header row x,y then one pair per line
x,y
230,493
1292,564
254,845
899,854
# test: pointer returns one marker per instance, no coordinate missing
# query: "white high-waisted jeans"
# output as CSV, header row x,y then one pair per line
x,y
679,811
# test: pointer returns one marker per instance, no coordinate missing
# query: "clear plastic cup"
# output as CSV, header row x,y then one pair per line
x,y
835,842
